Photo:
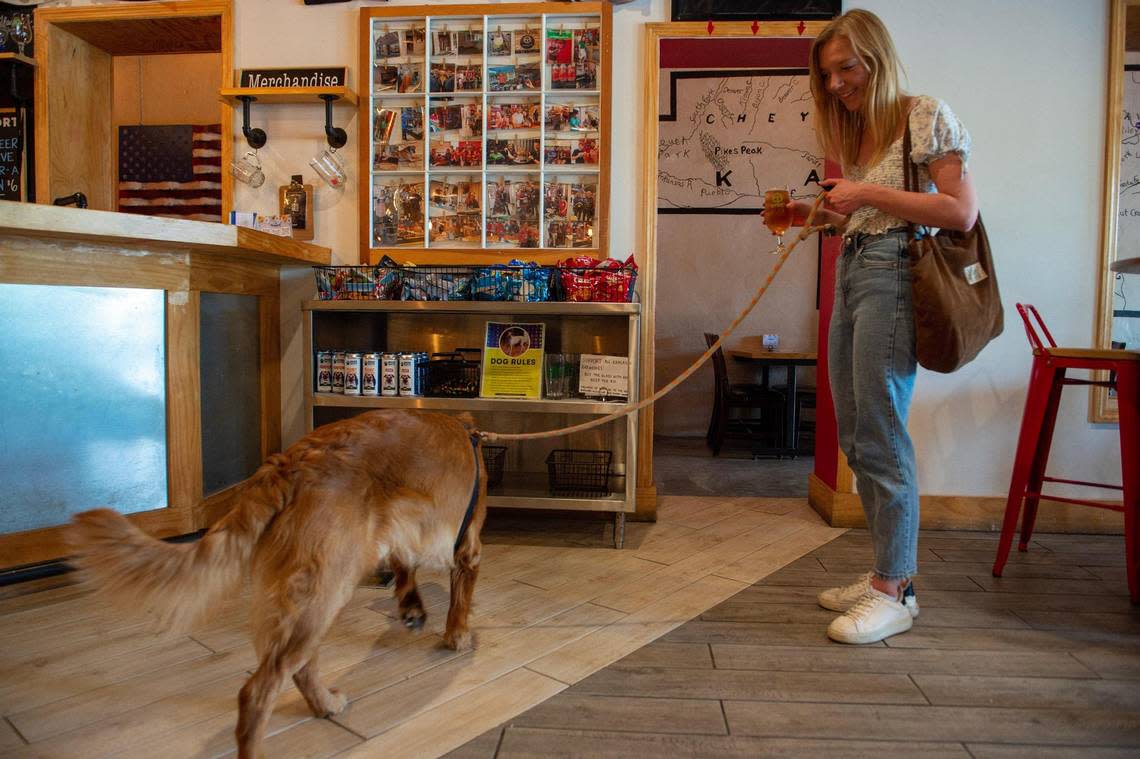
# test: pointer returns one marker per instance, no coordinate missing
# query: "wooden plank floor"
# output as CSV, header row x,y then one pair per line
x,y
1043,663
554,604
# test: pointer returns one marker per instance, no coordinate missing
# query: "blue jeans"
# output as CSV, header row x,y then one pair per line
x,y
871,365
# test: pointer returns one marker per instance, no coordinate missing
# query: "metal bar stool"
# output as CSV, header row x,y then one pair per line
x,y
1046,380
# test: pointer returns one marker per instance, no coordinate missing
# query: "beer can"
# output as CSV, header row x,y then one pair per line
x,y
352,374
338,372
324,371
370,374
390,374
421,373
408,374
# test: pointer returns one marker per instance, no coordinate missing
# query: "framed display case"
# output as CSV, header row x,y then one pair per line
x,y
487,132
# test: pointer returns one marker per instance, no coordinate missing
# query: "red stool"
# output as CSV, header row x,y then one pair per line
x,y
1046,380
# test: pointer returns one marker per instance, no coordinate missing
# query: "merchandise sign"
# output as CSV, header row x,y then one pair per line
x,y
604,376
512,360
302,77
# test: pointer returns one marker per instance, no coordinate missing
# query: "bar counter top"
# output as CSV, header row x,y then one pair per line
x,y
155,233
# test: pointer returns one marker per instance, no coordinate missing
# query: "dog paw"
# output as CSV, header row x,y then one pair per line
x,y
459,641
334,704
413,618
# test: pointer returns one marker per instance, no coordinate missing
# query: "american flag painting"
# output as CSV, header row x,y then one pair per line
x,y
171,171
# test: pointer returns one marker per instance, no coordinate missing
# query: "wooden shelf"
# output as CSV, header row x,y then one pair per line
x,y
475,307
17,58
287,94
571,406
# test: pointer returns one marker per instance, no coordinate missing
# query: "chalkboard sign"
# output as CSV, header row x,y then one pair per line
x,y
755,10
303,77
11,155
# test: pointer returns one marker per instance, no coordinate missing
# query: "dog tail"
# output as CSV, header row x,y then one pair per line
x,y
176,582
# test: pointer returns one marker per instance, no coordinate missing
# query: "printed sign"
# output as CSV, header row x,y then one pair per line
x,y
304,77
604,376
11,155
512,360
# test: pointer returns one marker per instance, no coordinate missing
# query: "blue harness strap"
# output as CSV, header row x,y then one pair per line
x,y
474,495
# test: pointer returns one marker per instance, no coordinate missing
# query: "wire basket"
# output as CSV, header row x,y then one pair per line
x,y
450,375
597,284
443,283
577,472
359,282
604,283
493,457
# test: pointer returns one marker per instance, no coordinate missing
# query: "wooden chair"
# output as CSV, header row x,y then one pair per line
x,y
749,398
1046,381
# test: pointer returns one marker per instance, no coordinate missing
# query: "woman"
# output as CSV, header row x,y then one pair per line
x,y
861,116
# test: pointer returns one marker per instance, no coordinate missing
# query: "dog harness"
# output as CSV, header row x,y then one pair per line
x,y
474,495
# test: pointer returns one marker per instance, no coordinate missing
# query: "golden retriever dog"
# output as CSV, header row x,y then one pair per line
x,y
384,486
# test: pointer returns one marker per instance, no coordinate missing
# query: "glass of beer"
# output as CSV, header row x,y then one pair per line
x,y
777,215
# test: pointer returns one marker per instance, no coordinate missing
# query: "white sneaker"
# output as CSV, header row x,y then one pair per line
x,y
873,617
844,597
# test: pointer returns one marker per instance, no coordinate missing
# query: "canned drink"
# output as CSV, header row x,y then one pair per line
x,y
338,372
370,374
352,374
324,371
421,373
408,374
390,374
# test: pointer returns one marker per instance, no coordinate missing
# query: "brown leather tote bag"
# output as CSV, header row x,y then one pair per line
x,y
957,307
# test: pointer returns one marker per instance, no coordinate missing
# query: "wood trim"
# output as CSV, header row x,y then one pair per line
x,y
183,403
437,255
269,329
239,277
167,9
272,95
647,274
41,261
226,119
1102,408
950,512
364,132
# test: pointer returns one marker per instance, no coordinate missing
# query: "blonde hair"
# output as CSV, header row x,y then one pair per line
x,y
839,130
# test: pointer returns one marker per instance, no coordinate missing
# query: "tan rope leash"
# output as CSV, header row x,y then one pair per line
x,y
806,231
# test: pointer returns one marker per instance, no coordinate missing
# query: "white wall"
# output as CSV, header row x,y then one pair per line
x,y
1026,76
1033,101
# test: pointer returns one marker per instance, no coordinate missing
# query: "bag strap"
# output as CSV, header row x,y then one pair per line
x,y
910,173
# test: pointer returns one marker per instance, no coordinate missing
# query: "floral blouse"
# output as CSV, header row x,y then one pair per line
x,y
935,132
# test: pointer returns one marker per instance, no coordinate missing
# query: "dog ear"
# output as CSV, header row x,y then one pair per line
x,y
467,420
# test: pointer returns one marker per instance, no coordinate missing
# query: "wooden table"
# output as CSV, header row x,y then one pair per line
x,y
766,359
1126,265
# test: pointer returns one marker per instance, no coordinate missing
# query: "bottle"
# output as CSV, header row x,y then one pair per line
x,y
297,203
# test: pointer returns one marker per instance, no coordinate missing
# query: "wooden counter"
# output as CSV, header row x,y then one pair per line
x,y
49,245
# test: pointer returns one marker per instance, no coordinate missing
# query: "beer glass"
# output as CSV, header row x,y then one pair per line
x,y
328,166
777,215
247,169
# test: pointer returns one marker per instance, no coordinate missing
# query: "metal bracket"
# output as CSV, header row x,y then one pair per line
x,y
336,136
255,137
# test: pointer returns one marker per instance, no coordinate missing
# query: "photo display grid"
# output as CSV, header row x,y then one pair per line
x,y
512,204
572,56
398,213
455,210
503,60
568,211
397,136
456,63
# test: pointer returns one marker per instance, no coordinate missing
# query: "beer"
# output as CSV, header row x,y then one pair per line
x,y
777,215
